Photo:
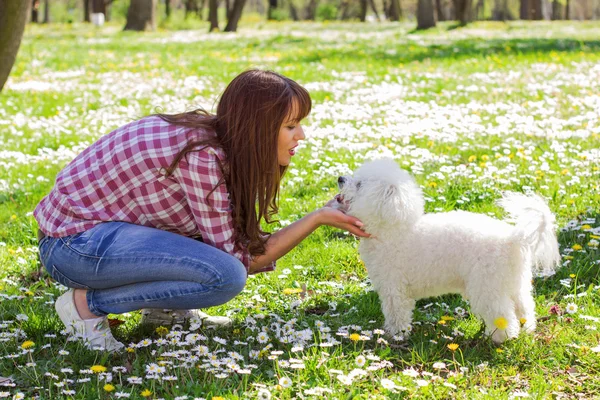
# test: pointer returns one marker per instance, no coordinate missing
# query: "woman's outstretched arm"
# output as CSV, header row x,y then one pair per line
x,y
282,241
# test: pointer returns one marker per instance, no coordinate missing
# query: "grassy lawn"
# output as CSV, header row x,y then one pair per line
x,y
469,111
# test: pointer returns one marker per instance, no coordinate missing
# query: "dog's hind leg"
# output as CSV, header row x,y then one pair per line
x,y
497,309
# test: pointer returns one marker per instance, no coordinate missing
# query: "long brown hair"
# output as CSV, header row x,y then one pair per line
x,y
249,115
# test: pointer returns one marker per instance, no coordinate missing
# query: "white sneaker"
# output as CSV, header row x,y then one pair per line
x,y
166,317
95,332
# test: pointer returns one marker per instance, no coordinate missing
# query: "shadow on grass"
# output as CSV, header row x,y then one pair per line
x,y
405,52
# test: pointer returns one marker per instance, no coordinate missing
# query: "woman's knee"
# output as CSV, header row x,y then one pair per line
x,y
234,275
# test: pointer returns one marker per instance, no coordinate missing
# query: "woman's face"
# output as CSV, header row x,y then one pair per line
x,y
290,133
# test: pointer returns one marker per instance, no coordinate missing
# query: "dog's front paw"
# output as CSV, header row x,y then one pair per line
x,y
397,331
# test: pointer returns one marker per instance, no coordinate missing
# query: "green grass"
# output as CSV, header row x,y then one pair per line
x,y
469,111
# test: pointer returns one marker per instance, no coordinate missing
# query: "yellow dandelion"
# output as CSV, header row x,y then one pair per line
x,y
499,351
482,164
442,322
162,330
453,346
98,368
501,323
523,321
595,237
13,217
432,184
27,344
472,158
130,350
146,393
108,387
447,318
586,227
218,398
292,290
564,172
577,247
485,157
355,337
572,275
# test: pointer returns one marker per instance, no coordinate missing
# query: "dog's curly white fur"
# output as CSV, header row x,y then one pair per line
x,y
412,255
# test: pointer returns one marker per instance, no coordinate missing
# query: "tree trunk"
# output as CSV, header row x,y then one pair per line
x,y
536,10
272,7
440,11
395,10
525,10
363,10
46,11
463,11
228,9
213,16
235,15
35,8
141,15
293,11
13,17
425,18
200,10
168,8
568,10
311,10
374,8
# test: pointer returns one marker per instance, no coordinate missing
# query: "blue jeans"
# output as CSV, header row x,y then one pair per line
x,y
126,267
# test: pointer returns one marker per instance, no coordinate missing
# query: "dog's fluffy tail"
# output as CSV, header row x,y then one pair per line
x,y
535,226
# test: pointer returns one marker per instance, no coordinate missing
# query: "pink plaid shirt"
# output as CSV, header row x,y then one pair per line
x,y
121,178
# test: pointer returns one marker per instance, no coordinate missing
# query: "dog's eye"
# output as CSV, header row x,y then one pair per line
x,y
358,184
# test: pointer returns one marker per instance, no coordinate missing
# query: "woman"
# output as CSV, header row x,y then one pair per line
x,y
164,213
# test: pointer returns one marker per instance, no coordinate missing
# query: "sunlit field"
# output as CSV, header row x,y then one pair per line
x,y
470,112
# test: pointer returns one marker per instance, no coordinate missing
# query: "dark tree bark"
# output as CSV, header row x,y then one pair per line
x,y
311,10
524,10
13,17
536,9
272,7
213,16
395,12
479,10
425,17
99,6
363,10
568,10
293,11
46,11
35,9
168,8
235,15
141,15
228,9
440,11
463,11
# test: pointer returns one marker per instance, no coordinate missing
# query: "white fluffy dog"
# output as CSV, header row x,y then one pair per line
x,y
412,255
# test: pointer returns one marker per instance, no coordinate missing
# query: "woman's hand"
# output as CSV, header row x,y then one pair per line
x,y
328,215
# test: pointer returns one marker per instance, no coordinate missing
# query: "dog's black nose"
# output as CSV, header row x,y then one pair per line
x,y
341,179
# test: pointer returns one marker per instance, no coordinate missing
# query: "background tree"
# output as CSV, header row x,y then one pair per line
x,y
141,15
425,18
463,11
395,10
213,15
235,15
13,16
46,11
